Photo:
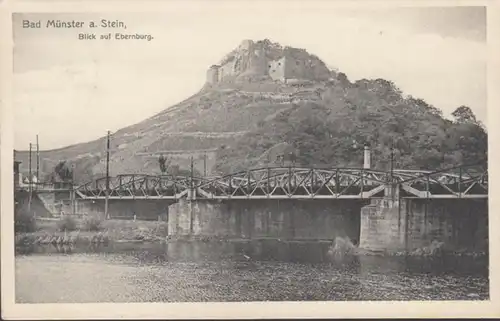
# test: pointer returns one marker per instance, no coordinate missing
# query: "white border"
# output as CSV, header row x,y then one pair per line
x,y
458,309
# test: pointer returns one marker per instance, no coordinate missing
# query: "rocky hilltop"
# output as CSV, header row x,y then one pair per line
x,y
263,100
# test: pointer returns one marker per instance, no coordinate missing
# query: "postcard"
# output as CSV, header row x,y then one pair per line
x,y
249,159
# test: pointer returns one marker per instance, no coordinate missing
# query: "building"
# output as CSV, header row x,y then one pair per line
x,y
17,175
213,74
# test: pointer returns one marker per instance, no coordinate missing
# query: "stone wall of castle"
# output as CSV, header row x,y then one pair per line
x,y
303,69
280,64
257,62
287,68
277,69
213,74
227,70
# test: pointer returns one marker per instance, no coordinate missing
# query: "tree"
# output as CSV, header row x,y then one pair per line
x,y
164,163
344,81
63,171
467,134
464,115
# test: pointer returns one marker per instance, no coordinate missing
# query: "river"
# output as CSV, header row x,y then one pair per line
x,y
223,272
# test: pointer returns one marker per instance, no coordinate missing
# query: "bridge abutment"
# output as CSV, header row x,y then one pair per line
x,y
408,224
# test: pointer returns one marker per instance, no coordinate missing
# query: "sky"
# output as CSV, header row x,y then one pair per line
x,y
70,91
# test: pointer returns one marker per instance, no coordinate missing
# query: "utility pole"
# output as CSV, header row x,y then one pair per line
x,y
29,182
37,160
192,172
392,159
205,164
72,193
392,169
191,197
106,214
107,160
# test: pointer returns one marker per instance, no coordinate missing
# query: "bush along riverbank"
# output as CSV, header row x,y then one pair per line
x,y
71,230
342,248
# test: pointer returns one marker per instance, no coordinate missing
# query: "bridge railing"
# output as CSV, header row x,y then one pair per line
x,y
136,185
466,181
296,182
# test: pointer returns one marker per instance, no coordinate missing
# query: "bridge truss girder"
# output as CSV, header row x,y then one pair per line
x,y
296,183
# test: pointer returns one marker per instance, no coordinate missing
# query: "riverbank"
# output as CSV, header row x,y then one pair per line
x,y
49,231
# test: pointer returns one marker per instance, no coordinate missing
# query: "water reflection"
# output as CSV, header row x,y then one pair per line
x,y
246,253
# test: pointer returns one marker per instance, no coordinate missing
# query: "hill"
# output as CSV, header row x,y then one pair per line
x,y
262,96
332,131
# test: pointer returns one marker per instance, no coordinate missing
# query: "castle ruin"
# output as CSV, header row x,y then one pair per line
x,y
264,58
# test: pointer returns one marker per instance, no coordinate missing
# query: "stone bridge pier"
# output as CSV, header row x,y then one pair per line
x,y
261,219
405,224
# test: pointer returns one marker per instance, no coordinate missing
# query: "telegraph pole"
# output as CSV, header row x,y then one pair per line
x,y
107,161
29,164
191,196
205,164
392,159
37,160
192,172
106,214
29,182
392,169
72,192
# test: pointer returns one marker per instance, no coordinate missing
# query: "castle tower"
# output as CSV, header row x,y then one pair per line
x,y
257,61
246,45
213,74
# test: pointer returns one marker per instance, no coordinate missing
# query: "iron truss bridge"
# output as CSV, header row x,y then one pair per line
x,y
296,183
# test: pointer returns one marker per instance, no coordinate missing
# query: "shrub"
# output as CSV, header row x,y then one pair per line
x,y
92,223
24,223
341,248
67,223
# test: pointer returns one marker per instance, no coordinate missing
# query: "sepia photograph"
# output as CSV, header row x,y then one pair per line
x,y
251,153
